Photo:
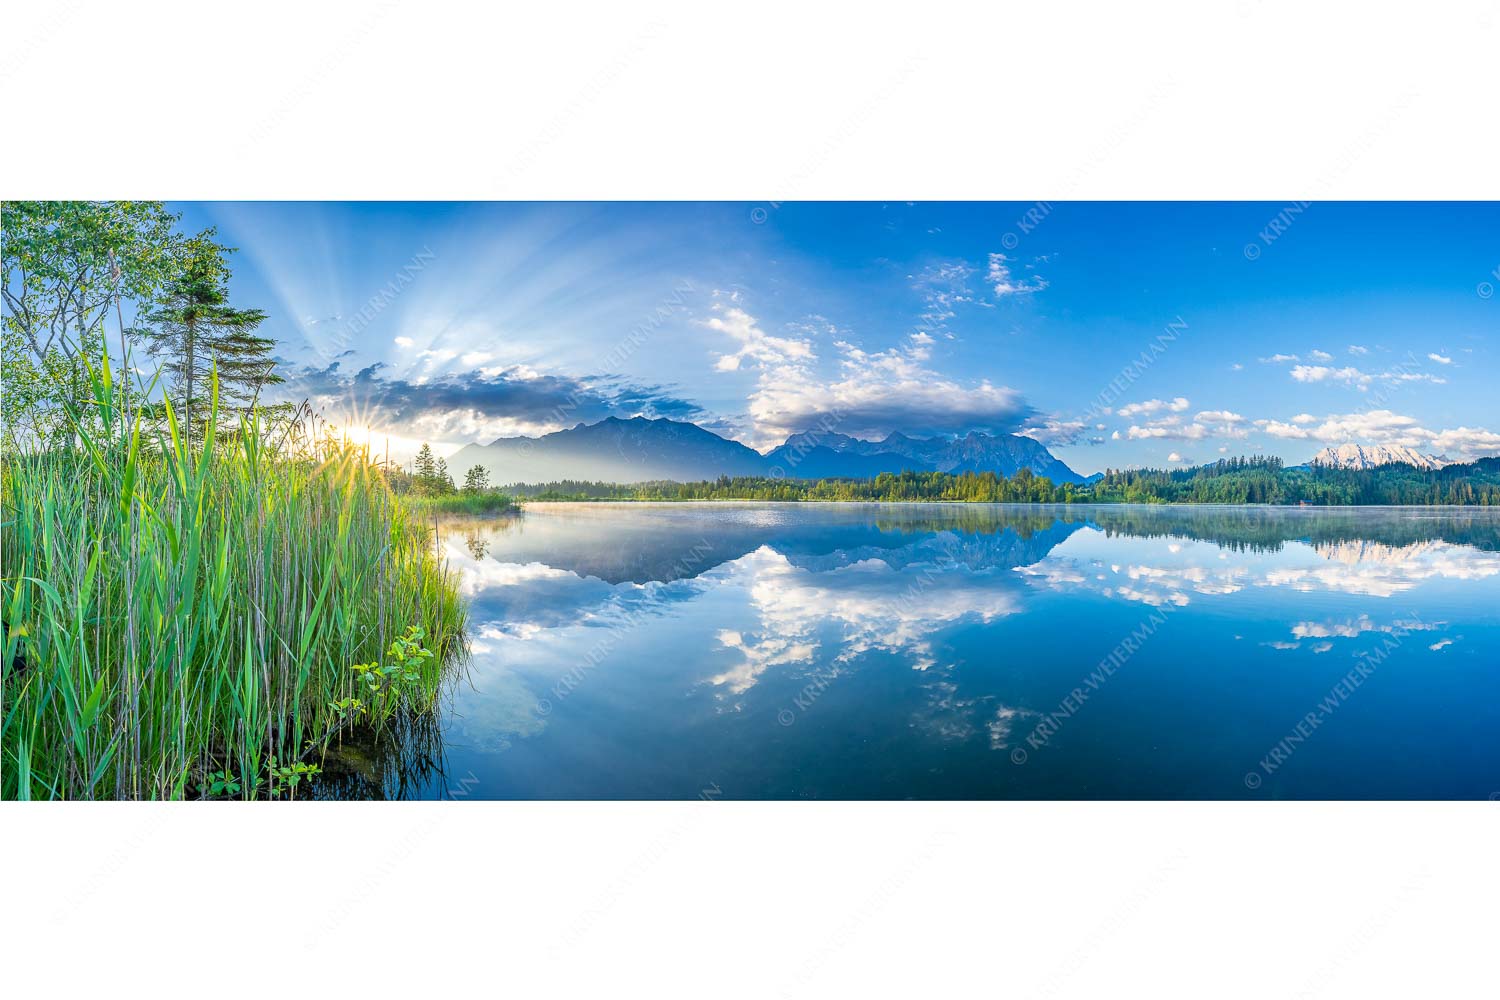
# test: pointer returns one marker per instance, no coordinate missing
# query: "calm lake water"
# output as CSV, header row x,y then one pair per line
x,y
789,651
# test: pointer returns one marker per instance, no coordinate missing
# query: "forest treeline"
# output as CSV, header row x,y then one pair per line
x,y
1228,481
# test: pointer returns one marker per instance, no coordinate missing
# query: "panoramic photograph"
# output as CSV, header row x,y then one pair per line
x,y
1064,500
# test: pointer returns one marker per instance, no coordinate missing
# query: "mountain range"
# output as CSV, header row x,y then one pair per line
x,y
642,449
1354,456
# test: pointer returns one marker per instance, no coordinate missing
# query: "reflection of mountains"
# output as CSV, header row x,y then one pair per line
x,y
636,543
640,543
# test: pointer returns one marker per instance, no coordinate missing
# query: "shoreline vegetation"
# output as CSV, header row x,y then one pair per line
x,y
430,489
201,596
1263,481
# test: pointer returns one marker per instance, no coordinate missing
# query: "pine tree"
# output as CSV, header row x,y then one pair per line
x,y
425,466
477,480
424,471
197,333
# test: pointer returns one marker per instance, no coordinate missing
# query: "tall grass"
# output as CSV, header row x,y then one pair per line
x,y
173,610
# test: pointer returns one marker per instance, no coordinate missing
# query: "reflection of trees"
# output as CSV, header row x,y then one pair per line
x,y
478,545
1267,529
663,542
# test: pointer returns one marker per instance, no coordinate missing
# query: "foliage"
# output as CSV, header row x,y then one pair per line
x,y
1264,480
194,331
429,477
477,479
175,613
68,266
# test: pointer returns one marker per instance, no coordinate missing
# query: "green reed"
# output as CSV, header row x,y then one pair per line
x,y
176,609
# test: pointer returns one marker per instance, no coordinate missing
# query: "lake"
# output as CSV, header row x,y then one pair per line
x,y
952,651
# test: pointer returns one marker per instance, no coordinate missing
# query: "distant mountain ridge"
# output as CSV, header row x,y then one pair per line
x,y
642,449
1354,456
839,455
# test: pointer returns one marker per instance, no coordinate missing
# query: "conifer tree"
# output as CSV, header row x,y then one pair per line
x,y
196,333
477,480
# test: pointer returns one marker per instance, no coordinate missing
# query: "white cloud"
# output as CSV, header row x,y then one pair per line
x,y
755,343
1150,406
943,287
1321,356
1054,431
1276,428
1359,379
872,394
405,342
1387,427
1178,459
1277,359
1356,349
1170,427
1167,429
999,277
1223,423
1440,359
1322,373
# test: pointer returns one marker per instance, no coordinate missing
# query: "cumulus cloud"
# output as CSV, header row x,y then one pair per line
x,y
1362,380
1151,406
1055,431
877,393
1386,427
1357,349
755,343
1167,429
870,395
1321,356
1440,359
1219,417
1323,373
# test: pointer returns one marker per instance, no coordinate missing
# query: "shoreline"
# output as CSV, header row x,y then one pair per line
x,y
523,503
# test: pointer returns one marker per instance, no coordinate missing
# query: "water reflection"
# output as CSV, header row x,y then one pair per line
x,y
644,650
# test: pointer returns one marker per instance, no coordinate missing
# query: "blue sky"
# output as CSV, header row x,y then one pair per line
x,y
1119,334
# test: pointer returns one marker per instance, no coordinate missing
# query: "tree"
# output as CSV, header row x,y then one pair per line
x,y
477,480
69,265
430,474
442,482
425,466
197,333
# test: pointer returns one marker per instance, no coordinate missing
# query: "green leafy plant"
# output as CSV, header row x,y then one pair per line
x,y
220,783
286,777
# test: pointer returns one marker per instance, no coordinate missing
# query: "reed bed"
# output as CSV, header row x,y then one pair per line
x,y
203,619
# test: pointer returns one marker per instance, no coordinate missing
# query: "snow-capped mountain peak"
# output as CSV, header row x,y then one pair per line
x,y
1354,456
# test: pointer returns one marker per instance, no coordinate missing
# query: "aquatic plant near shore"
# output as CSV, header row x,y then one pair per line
x,y
180,615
